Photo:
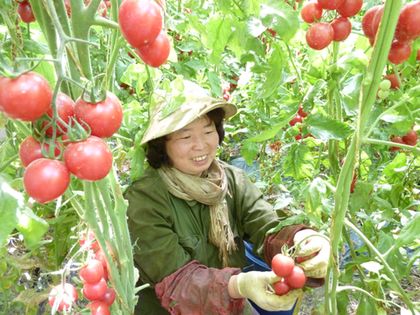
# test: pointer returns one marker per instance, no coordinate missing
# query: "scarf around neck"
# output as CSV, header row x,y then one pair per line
x,y
209,190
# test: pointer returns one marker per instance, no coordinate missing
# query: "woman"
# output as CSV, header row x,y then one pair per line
x,y
190,213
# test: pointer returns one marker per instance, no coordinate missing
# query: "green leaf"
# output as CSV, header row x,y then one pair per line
x,y
215,84
270,133
10,202
32,227
366,306
395,171
273,76
296,219
280,17
219,31
138,155
316,193
409,232
326,128
350,93
249,151
298,163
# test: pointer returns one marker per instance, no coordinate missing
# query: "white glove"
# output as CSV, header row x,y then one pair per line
x,y
255,285
311,242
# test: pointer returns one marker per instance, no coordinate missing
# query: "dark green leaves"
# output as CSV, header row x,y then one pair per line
x,y
326,128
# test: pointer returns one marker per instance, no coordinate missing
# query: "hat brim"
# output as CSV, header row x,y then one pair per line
x,y
150,134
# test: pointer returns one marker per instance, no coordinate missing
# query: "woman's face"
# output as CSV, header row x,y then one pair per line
x,y
193,148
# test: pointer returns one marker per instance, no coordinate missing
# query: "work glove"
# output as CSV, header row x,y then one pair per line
x,y
317,248
255,285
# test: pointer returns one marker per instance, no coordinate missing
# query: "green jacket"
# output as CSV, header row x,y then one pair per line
x,y
168,232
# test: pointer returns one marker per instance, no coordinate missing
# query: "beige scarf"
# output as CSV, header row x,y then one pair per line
x,y
209,190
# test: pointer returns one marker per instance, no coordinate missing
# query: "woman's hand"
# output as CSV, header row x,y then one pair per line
x,y
316,246
254,285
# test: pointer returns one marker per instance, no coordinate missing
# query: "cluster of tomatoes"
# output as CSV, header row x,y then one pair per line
x,y
300,116
321,34
292,276
410,138
25,11
407,30
230,87
141,23
28,97
94,277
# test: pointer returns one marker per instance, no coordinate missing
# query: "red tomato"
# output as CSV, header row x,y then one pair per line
x,y
104,118
281,287
367,21
30,150
330,4
25,12
376,20
109,296
399,52
342,28
46,180
157,52
408,26
26,97
100,255
140,21
301,112
319,35
350,8
90,159
353,183
65,110
89,241
396,139
296,279
95,291
311,12
395,84
410,138
99,308
65,294
282,265
295,120
92,272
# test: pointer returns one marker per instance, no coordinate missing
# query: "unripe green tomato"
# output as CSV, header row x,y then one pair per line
x,y
385,85
382,94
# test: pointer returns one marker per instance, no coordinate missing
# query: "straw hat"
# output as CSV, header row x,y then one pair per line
x,y
176,109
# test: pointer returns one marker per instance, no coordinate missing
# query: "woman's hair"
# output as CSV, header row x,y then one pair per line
x,y
156,150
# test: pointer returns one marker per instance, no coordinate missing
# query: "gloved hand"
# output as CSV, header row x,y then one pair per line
x,y
312,243
254,285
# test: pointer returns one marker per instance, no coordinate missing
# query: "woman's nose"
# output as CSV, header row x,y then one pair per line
x,y
198,143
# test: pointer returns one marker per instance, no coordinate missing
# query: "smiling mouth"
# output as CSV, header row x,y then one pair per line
x,y
199,158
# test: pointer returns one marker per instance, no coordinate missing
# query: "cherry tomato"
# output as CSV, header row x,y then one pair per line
x,y
399,52
157,52
99,308
295,120
46,180
140,21
319,35
88,240
25,12
65,294
410,138
95,291
408,26
282,265
350,8
395,84
342,28
92,272
26,97
376,20
90,159
30,150
367,21
65,110
330,4
104,118
301,112
109,296
296,279
396,139
311,12
281,287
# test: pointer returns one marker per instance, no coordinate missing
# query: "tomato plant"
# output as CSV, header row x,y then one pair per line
x,y
26,97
